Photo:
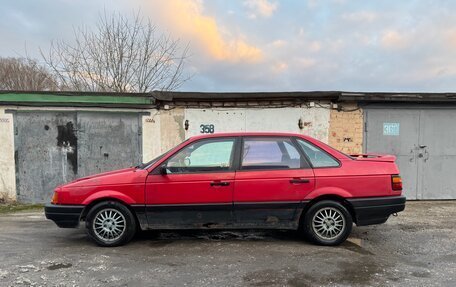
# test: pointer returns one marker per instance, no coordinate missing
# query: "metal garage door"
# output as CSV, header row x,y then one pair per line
x,y
108,141
52,148
424,142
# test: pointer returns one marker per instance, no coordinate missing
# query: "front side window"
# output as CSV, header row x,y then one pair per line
x,y
317,156
212,155
270,153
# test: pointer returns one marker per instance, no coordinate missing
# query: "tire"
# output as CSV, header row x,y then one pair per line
x,y
110,224
327,223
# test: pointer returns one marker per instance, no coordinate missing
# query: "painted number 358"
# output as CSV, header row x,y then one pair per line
x,y
207,129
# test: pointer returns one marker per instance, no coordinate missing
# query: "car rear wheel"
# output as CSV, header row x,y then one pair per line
x,y
327,223
110,223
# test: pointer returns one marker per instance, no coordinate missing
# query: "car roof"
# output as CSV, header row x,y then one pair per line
x,y
238,134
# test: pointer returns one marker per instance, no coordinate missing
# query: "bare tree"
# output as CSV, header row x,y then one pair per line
x,y
25,74
120,55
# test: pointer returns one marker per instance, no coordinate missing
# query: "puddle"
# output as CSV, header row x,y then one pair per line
x,y
161,243
59,266
266,277
419,274
451,258
230,235
244,235
360,272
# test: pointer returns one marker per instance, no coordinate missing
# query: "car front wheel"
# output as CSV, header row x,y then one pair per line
x,y
110,224
327,223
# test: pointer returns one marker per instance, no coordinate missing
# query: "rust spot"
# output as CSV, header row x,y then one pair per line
x,y
272,219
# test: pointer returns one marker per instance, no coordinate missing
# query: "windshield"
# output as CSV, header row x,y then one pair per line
x,y
146,164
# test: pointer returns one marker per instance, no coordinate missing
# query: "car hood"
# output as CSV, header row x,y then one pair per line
x,y
120,176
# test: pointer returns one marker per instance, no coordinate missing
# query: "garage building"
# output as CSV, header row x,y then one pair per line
x,y
48,138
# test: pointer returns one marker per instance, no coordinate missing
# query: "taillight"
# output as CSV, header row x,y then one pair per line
x,y
396,182
54,199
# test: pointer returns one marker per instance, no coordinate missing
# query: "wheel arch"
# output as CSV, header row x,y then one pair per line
x,y
332,197
98,200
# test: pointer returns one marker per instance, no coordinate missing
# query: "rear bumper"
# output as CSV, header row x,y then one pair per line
x,y
376,210
65,216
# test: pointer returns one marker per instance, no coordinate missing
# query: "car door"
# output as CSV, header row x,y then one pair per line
x,y
194,187
272,180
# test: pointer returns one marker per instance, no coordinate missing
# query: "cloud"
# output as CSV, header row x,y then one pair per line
x,y
304,63
187,18
262,8
392,39
449,36
361,16
310,45
279,67
314,46
279,43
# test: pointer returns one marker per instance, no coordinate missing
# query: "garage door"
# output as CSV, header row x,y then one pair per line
x,y
423,141
52,148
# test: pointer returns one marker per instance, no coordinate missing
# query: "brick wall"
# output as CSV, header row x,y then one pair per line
x,y
346,129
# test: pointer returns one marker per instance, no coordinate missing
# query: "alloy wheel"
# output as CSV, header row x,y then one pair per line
x,y
109,224
328,223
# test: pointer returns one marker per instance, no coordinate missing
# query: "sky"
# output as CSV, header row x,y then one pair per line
x,y
271,45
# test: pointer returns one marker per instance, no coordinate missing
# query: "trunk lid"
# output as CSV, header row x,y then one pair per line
x,y
374,157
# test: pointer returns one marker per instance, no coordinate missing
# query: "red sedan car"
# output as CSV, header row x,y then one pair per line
x,y
236,180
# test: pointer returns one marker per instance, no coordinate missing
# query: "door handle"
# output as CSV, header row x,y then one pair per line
x,y
299,180
220,183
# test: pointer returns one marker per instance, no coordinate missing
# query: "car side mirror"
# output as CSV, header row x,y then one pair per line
x,y
162,170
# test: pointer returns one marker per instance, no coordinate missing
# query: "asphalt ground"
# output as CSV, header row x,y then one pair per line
x,y
417,248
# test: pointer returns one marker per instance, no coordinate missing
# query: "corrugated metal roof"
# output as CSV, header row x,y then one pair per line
x,y
229,96
76,99
383,97
146,100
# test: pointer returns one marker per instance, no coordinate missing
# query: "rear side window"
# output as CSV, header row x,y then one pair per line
x,y
270,153
317,156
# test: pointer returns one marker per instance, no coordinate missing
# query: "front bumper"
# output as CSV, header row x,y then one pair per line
x,y
376,210
65,216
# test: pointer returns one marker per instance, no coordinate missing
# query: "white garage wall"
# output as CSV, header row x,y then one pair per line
x,y
314,119
223,120
151,143
7,168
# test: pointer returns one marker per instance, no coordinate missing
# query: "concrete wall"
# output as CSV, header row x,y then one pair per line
x,y
163,129
7,168
346,128
315,120
151,147
8,188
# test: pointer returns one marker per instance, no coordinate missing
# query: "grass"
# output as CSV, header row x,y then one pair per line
x,y
16,207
